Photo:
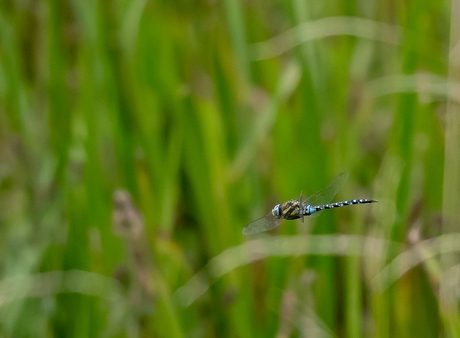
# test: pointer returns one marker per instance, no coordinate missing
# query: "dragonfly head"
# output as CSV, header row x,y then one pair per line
x,y
276,211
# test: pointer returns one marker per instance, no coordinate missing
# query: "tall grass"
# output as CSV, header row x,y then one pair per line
x,y
208,114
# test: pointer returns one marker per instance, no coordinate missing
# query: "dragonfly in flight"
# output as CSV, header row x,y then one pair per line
x,y
298,208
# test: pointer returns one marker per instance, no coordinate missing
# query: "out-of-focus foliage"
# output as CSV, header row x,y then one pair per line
x,y
138,138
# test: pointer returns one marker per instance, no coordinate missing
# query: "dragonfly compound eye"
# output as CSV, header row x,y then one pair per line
x,y
276,211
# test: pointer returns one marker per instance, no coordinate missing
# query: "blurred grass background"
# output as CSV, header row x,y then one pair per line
x,y
208,113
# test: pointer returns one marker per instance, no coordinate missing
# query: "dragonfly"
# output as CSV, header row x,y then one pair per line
x,y
299,208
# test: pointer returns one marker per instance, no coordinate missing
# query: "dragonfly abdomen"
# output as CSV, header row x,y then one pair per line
x,y
310,209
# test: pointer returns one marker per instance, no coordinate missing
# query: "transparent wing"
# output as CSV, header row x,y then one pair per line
x,y
326,194
265,223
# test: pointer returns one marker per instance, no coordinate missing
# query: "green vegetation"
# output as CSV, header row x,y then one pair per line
x,y
208,113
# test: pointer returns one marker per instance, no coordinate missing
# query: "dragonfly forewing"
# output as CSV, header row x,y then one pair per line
x,y
265,223
326,194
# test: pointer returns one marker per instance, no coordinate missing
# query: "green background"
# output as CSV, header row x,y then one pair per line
x,y
209,113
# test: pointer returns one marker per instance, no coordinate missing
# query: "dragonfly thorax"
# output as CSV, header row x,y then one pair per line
x,y
276,211
289,210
